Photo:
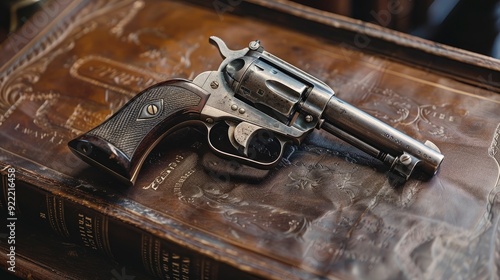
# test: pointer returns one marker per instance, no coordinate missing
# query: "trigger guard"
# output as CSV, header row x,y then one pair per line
x,y
219,142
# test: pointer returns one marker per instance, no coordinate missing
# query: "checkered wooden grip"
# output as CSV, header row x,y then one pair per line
x,y
121,142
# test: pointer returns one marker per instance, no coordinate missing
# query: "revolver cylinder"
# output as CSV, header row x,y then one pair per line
x,y
265,86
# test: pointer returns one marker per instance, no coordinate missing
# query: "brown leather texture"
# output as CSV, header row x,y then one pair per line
x,y
327,210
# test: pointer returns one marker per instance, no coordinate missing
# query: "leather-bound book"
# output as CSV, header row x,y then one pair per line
x,y
327,210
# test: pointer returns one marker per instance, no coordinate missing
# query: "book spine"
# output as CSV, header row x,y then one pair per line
x,y
123,243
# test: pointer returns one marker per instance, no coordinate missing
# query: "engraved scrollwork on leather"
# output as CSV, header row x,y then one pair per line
x,y
176,59
126,16
114,75
234,204
42,130
20,76
453,251
21,81
328,188
402,111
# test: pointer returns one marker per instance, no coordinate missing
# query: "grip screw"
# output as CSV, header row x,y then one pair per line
x,y
214,84
152,109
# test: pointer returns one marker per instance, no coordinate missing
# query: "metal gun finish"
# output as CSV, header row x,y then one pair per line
x,y
252,106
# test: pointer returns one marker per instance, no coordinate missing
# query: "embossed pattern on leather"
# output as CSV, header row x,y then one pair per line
x,y
328,210
127,128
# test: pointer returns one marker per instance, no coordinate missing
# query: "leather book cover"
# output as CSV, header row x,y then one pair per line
x,y
39,255
326,211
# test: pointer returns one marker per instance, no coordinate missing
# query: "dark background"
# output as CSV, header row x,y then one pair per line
x,y
468,24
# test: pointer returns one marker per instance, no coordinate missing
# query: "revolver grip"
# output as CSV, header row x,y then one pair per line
x,y
121,143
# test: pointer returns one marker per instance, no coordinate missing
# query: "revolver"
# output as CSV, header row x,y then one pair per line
x,y
252,107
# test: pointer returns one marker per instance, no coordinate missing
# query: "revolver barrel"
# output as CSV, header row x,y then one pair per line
x,y
397,150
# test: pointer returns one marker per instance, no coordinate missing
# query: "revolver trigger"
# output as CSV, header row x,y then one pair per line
x,y
243,134
230,134
246,142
